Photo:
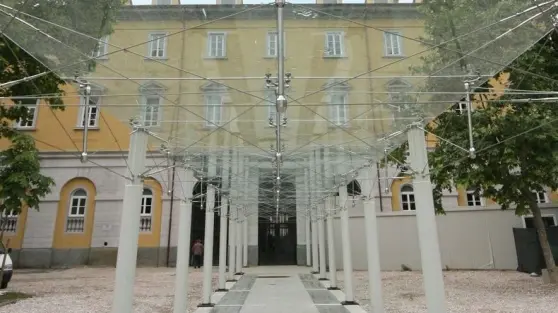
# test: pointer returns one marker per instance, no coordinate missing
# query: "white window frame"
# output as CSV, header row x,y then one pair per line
x,y
408,194
33,120
151,122
336,108
270,35
524,223
102,48
461,107
210,121
328,53
210,36
154,44
71,204
389,36
537,194
93,109
476,198
143,205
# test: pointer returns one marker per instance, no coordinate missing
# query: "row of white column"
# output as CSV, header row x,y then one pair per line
x,y
317,214
324,211
235,223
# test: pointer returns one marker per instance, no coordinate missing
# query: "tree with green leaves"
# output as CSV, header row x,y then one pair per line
x,y
25,52
516,139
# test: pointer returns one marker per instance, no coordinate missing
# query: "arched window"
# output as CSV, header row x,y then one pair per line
x,y
76,212
407,198
146,210
353,188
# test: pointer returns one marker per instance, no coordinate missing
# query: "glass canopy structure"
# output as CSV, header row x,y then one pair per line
x,y
292,100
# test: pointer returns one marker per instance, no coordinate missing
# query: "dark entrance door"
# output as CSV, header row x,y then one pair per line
x,y
198,218
277,227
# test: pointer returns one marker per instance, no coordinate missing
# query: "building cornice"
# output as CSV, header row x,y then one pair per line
x,y
206,13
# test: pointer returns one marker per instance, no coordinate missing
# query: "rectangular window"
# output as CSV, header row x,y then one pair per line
x,y
151,114
213,110
334,44
461,107
338,107
32,107
216,45
548,220
102,48
540,196
473,198
408,202
392,44
272,44
78,206
91,117
157,45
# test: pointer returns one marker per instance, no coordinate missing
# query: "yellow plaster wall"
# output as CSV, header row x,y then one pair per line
x,y
63,240
15,240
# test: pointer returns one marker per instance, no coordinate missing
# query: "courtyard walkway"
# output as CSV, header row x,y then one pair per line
x,y
279,290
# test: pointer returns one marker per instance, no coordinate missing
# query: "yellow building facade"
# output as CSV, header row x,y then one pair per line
x,y
155,67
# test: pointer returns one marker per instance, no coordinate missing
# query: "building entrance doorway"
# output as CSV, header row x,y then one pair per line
x,y
276,227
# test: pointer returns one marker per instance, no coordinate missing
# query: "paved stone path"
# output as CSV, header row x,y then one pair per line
x,y
288,293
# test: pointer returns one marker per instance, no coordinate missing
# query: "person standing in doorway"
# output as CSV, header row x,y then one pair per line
x,y
197,251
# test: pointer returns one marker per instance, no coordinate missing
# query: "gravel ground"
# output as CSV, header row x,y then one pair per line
x,y
467,292
89,290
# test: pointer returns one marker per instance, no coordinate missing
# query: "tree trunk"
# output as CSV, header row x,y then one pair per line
x,y
543,239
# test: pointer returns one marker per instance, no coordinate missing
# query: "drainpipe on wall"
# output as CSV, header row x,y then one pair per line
x,y
379,187
170,212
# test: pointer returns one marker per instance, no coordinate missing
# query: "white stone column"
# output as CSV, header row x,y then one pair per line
x,y
313,214
373,256
239,240
233,215
123,296
346,246
183,256
321,216
426,223
223,244
232,242
307,219
208,235
321,244
330,211
246,207
223,221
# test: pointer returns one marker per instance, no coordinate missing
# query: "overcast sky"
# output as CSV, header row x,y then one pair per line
x,y
140,2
